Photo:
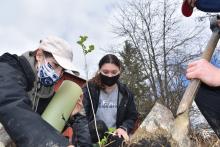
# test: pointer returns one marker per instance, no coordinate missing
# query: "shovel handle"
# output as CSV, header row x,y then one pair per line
x,y
193,86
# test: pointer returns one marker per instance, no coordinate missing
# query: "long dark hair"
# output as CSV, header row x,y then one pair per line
x,y
109,58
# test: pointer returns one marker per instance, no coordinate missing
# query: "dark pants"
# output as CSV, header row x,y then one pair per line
x,y
112,141
208,101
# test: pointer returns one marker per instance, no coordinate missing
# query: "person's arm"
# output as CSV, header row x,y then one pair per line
x,y
25,127
86,102
204,71
130,118
81,130
191,3
80,127
131,114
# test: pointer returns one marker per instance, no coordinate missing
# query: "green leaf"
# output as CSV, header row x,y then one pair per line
x,y
91,47
111,130
79,42
85,49
83,38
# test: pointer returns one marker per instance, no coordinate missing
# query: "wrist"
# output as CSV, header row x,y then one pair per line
x,y
217,81
123,128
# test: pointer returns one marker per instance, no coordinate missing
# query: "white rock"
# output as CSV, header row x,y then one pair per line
x,y
160,119
2,145
4,137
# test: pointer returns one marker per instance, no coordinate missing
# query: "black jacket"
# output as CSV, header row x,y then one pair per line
x,y
25,127
126,111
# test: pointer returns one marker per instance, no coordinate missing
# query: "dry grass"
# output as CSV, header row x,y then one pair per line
x,y
203,140
160,138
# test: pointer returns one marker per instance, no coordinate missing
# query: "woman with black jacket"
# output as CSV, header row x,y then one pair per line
x,y
112,101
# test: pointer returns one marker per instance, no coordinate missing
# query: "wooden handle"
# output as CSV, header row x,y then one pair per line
x,y
193,87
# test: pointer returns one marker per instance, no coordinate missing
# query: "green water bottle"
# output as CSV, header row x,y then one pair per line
x,y
62,104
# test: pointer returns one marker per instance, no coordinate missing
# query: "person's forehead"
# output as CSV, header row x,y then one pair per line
x,y
109,66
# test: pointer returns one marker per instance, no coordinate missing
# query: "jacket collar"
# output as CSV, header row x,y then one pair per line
x,y
31,61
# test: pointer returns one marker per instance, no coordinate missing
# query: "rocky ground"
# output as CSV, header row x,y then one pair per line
x,y
157,131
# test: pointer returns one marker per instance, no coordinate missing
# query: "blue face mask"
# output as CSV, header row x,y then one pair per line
x,y
47,75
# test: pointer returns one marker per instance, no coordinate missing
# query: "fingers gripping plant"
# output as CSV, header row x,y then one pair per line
x,y
104,141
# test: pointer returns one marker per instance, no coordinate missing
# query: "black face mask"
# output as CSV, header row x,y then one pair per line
x,y
109,81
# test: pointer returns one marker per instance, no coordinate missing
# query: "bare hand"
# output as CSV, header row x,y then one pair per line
x,y
205,71
120,132
191,3
79,106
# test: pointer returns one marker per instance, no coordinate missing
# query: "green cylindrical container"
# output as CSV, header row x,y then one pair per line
x,y
62,104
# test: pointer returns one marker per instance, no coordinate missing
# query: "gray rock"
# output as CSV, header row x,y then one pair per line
x,y
5,139
159,117
157,128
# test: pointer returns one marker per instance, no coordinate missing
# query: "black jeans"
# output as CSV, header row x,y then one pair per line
x,y
208,101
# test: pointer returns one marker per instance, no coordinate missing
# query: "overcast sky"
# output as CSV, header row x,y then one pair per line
x,y
24,22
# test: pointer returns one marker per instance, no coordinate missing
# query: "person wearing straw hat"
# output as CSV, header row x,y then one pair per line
x,y
24,80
